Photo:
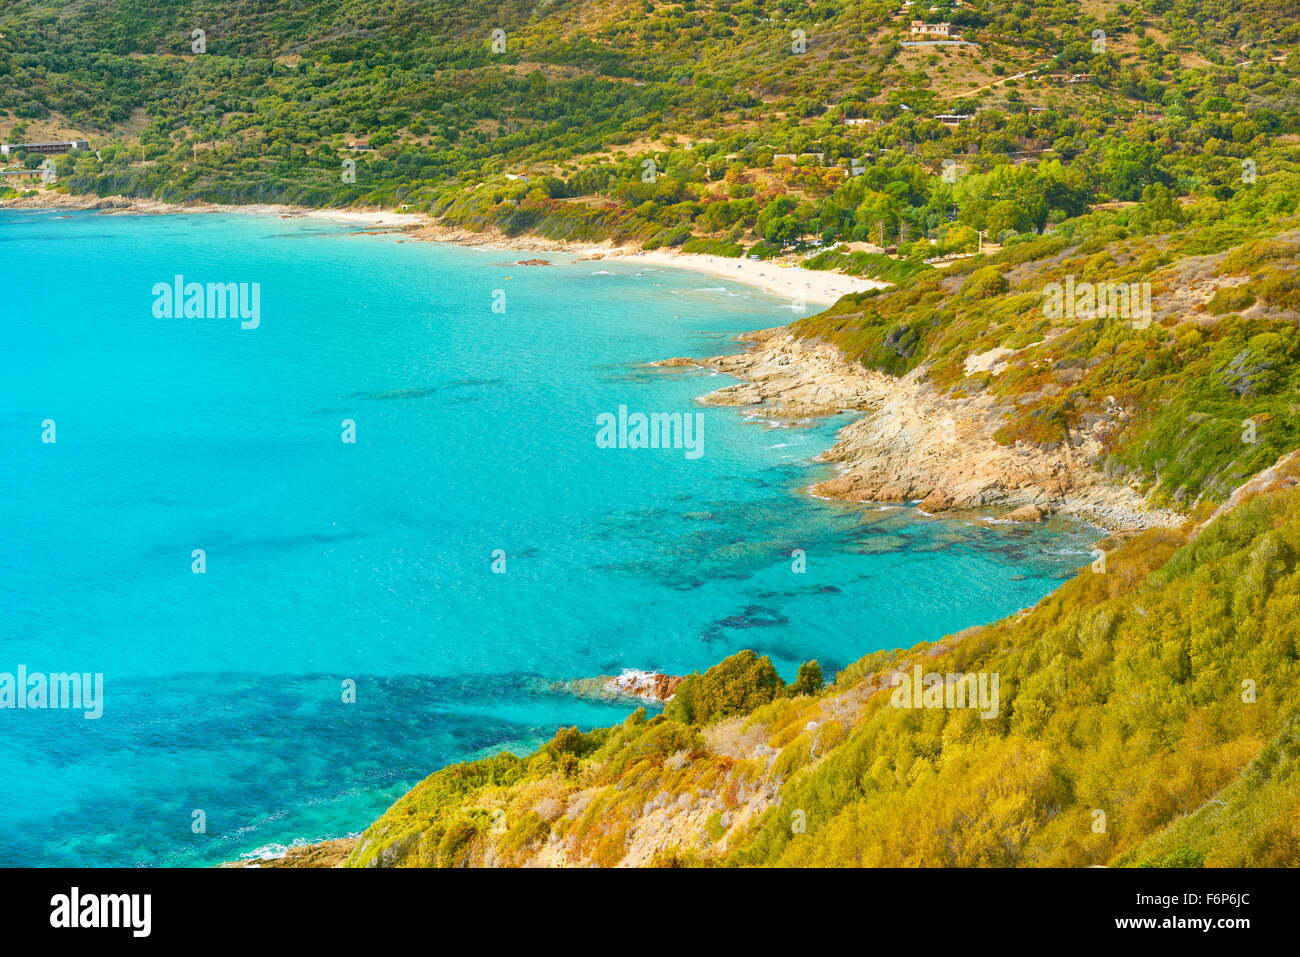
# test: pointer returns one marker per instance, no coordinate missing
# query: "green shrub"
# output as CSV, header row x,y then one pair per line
x,y
1230,299
809,680
984,283
714,247
736,685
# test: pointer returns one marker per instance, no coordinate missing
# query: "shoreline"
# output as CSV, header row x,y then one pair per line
x,y
793,282
804,286
916,444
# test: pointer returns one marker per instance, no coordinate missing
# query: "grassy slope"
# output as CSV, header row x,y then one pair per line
x,y
1122,693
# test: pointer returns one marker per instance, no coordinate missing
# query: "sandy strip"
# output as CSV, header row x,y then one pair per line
x,y
353,217
800,285
794,282
48,199
367,218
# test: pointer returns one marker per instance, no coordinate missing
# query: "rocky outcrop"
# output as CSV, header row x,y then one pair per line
x,y
789,378
1028,513
49,199
918,444
677,362
646,685
325,854
652,687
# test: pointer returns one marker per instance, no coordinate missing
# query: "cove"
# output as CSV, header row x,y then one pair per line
x,y
373,561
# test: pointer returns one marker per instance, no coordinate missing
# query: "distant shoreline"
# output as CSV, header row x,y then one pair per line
x,y
811,286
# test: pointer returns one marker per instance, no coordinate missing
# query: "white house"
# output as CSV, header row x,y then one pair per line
x,y
922,29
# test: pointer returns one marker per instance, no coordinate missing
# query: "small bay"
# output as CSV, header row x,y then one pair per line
x,y
473,545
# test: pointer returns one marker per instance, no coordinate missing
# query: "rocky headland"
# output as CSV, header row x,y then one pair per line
x,y
915,443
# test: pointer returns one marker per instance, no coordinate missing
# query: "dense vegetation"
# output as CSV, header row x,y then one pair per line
x,y
1197,401
657,122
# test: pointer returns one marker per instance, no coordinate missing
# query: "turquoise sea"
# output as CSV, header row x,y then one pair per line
x,y
373,561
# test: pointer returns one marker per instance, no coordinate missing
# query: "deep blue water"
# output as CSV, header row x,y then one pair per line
x,y
373,561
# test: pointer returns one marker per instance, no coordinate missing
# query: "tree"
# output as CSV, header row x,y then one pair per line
x,y
735,685
1129,167
809,680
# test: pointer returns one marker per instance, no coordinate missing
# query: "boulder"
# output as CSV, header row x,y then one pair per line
x,y
1028,513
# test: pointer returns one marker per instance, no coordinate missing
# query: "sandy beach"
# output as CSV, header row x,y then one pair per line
x,y
810,286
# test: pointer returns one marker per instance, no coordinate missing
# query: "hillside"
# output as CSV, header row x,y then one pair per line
x,y
726,127
1146,712
1183,405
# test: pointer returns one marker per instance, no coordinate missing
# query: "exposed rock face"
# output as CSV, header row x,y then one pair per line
x,y
919,444
1282,474
1028,513
325,854
789,378
652,687
991,361
647,685
48,199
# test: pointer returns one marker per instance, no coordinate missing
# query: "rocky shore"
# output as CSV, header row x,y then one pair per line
x,y
652,687
324,854
916,444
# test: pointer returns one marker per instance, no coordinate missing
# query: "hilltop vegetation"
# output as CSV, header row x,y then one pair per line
x,y
654,122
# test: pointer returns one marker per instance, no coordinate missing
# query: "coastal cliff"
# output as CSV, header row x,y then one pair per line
x,y
974,396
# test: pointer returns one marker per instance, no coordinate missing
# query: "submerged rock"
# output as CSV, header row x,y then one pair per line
x,y
881,544
676,362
